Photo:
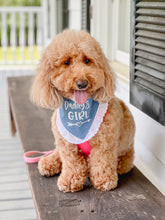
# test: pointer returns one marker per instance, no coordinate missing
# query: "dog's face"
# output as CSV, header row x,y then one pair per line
x,y
73,66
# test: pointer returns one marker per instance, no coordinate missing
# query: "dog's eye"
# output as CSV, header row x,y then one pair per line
x,y
87,61
67,62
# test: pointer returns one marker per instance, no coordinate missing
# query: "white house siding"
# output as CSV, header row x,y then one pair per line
x,y
75,14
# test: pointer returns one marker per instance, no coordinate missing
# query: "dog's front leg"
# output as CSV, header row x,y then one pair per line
x,y
74,168
103,158
103,168
74,165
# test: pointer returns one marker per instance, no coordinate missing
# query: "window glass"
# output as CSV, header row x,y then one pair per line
x,y
123,25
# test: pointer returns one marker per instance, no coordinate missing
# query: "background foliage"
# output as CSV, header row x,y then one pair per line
x,y
19,2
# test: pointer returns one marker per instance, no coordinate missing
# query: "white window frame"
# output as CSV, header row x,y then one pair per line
x,y
104,27
120,55
75,14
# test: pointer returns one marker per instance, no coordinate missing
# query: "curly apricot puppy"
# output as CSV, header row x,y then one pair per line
x,y
94,130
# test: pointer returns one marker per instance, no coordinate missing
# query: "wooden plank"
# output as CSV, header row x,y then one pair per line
x,y
4,36
9,143
14,178
151,79
159,5
150,86
17,164
39,40
16,205
150,20
149,56
15,195
152,27
11,147
31,35
150,64
25,214
11,152
151,49
151,12
11,171
21,185
134,199
9,159
22,35
150,34
150,71
151,42
13,39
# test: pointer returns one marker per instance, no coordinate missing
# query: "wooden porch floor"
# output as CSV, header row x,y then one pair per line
x,y
15,195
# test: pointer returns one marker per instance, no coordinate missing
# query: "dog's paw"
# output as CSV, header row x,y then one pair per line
x,y
49,166
104,182
70,183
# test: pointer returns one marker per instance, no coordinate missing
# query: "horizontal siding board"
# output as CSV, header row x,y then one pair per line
x,y
10,158
13,178
150,34
17,164
11,171
159,5
150,71
150,86
152,27
151,79
151,20
16,205
154,50
11,152
12,187
150,64
15,195
150,56
151,12
151,42
24,214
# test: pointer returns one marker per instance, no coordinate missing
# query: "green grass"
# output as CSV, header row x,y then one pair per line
x,y
27,54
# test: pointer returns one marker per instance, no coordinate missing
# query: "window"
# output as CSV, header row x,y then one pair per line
x,y
85,15
123,31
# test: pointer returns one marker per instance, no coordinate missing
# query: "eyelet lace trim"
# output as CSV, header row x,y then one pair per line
x,y
102,109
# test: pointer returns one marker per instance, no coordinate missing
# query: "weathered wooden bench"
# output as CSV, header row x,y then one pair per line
x,y
134,198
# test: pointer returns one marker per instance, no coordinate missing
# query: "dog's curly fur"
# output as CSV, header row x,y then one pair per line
x,y
112,147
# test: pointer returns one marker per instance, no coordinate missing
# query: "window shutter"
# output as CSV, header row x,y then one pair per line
x,y
62,15
59,16
85,15
65,14
147,65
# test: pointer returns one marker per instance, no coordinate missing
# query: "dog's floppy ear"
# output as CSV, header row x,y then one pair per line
x,y
105,93
43,93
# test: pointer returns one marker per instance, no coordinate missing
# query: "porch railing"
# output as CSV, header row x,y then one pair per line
x,y
24,31
21,34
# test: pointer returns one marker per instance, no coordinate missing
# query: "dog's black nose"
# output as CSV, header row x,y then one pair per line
x,y
82,84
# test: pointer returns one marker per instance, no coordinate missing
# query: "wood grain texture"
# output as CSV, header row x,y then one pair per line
x,y
134,199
